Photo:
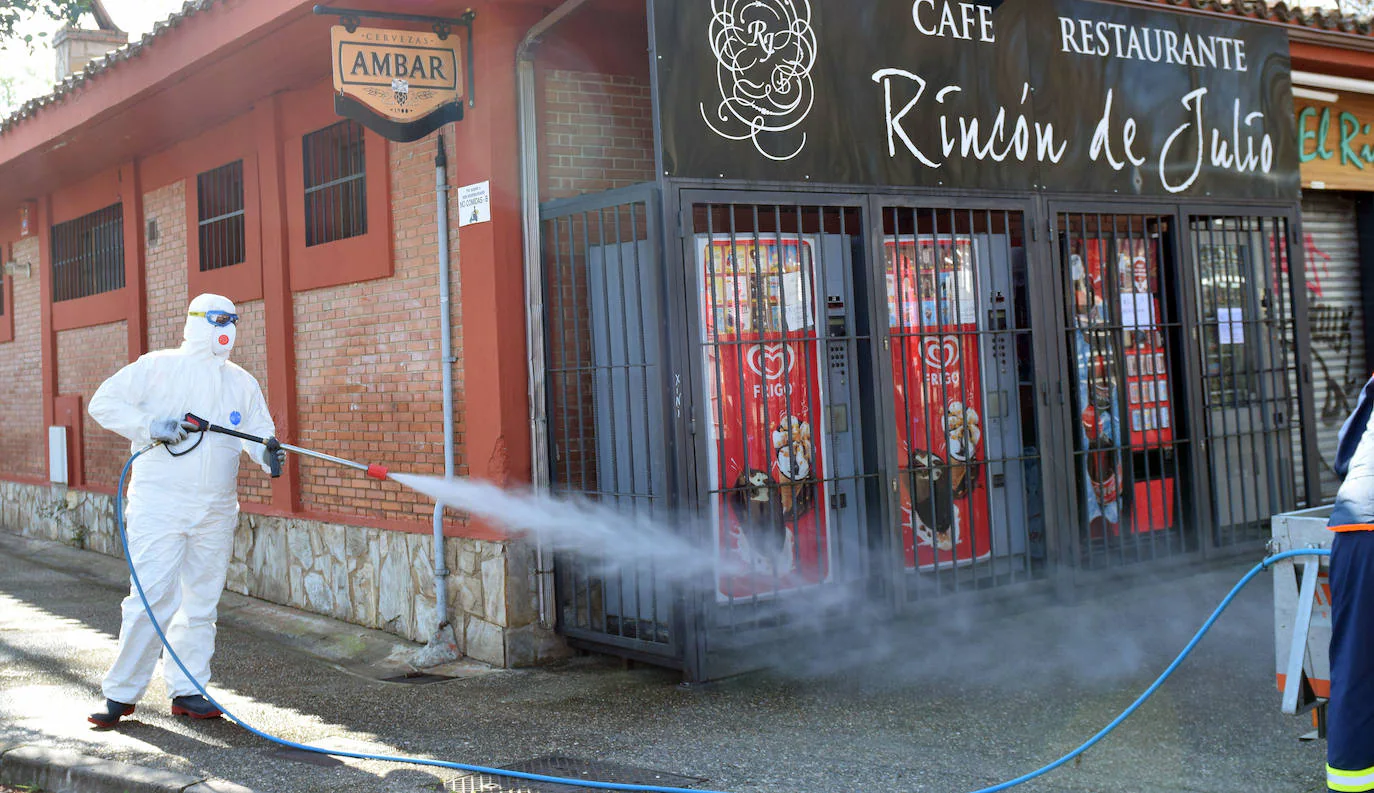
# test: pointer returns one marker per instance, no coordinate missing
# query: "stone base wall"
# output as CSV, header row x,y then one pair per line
x,y
370,577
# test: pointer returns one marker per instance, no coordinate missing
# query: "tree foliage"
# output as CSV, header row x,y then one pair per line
x,y
1361,9
14,12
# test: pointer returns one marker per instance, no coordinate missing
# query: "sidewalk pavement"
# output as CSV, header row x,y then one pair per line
x,y
941,710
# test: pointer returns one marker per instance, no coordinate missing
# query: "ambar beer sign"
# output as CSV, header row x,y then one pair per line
x,y
401,84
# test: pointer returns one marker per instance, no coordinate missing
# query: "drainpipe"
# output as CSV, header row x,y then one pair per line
x,y
534,281
446,647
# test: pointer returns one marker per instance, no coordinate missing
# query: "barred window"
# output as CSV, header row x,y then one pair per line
x,y
335,183
219,207
88,254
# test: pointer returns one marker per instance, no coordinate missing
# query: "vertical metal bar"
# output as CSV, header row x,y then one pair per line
x,y
360,188
1266,364
984,334
220,254
759,317
711,347
836,550
1169,283
649,360
1223,406
571,391
627,373
596,370
1254,430
808,361
1154,325
1289,371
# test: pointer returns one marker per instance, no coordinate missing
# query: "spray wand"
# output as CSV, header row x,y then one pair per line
x,y
371,469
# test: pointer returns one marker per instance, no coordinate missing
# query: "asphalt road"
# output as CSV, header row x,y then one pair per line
x,y
943,709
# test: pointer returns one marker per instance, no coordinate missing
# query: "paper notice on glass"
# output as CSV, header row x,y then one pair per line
x,y
794,299
1137,311
1230,325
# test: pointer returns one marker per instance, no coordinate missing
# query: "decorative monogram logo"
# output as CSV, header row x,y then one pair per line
x,y
940,352
769,361
765,51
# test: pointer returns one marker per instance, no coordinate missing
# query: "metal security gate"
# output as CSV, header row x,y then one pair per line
x,y
781,334
605,385
856,403
1126,387
1182,378
969,503
1250,373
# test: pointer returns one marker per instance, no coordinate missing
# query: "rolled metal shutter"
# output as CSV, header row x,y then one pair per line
x,y
1333,289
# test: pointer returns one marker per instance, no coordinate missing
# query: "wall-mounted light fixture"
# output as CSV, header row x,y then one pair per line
x,y
12,268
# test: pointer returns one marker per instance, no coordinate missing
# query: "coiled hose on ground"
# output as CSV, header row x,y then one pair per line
x,y
478,769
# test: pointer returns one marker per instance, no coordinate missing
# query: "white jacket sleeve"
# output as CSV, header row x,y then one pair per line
x,y
258,421
116,404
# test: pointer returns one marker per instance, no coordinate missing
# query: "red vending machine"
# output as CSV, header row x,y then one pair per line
x,y
763,374
1146,422
1148,404
933,316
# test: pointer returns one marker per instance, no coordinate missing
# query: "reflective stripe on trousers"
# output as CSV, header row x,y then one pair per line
x,y
1350,781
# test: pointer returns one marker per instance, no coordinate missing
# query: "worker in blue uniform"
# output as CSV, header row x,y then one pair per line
x,y
1350,711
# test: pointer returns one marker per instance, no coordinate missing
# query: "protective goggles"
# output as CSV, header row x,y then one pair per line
x,y
217,318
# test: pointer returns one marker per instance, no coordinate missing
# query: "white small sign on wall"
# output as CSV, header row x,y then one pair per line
x,y
474,203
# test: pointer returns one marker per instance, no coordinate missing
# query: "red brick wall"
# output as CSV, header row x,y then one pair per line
x,y
166,268
598,135
23,437
250,352
368,376
87,357
165,265
598,132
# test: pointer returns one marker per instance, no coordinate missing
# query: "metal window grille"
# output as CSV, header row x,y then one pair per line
x,y
88,254
219,209
335,183
2,295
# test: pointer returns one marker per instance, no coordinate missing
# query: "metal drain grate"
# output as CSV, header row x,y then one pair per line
x,y
570,768
417,678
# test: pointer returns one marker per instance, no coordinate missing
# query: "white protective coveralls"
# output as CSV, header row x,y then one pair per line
x,y
181,511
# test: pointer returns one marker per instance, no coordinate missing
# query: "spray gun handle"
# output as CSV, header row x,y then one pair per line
x,y
273,461
201,424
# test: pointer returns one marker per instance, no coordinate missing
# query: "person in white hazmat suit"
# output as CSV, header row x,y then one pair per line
x,y
182,503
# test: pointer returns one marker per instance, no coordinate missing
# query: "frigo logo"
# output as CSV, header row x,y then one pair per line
x,y
770,361
941,352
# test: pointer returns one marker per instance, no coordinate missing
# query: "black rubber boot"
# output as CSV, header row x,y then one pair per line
x,y
110,716
195,706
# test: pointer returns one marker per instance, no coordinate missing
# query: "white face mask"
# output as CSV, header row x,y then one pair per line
x,y
224,340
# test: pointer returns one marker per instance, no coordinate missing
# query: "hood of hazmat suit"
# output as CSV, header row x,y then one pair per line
x,y
201,480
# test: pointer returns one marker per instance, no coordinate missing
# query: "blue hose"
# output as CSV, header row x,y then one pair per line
x,y
502,772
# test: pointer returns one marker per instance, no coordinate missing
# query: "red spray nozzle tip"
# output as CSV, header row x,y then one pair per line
x,y
377,471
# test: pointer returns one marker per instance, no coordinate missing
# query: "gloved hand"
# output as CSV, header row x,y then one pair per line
x,y
169,430
268,454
